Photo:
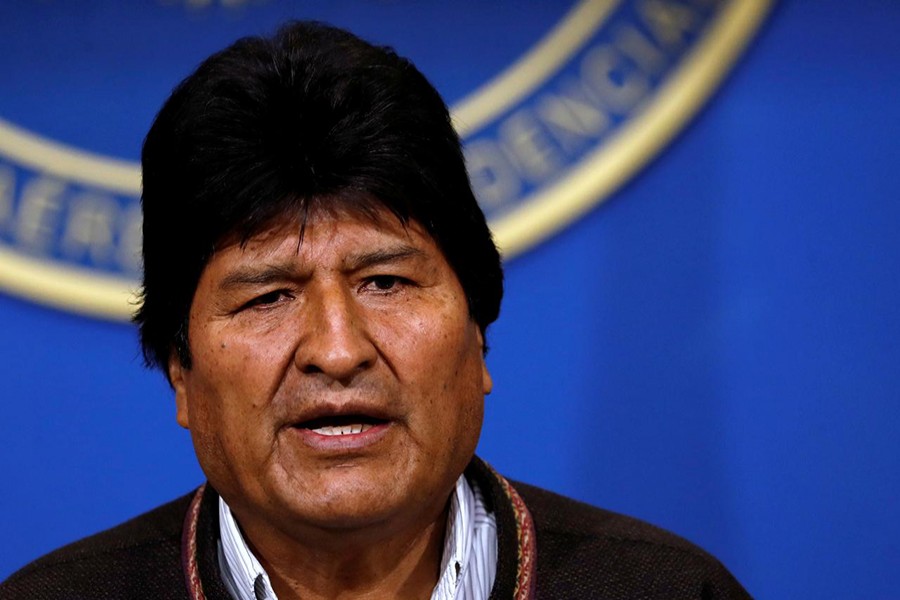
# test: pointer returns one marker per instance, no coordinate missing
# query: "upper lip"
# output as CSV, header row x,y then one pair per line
x,y
341,412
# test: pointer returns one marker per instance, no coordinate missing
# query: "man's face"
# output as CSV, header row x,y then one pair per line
x,y
337,382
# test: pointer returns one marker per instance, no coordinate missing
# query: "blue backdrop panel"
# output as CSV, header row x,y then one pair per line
x,y
714,349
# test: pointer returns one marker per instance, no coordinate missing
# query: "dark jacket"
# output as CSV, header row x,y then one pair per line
x,y
581,552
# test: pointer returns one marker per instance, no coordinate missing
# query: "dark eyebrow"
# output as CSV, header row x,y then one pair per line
x,y
358,262
261,276
253,276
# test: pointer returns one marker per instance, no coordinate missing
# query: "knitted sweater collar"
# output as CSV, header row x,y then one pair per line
x,y
516,549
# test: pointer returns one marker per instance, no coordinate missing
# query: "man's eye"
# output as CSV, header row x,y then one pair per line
x,y
385,283
268,299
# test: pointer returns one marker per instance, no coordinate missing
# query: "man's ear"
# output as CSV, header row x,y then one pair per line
x,y
487,384
177,373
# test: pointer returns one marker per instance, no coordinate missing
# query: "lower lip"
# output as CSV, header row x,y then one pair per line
x,y
346,442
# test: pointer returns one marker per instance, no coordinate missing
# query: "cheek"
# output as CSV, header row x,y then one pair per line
x,y
227,428
226,398
423,333
441,359
243,369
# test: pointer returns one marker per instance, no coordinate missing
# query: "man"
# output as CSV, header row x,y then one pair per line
x,y
318,281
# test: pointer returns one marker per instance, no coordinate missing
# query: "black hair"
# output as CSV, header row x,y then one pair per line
x,y
268,126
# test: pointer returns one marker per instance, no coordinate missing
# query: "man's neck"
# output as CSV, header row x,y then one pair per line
x,y
351,564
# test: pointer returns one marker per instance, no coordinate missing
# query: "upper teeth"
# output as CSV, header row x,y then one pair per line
x,y
342,429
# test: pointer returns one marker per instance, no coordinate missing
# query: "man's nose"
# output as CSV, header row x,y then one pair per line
x,y
337,343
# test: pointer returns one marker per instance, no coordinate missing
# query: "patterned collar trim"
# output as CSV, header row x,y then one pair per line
x,y
189,547
525,540
525,543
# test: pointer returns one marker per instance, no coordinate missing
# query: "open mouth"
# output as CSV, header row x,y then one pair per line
x,y
341,424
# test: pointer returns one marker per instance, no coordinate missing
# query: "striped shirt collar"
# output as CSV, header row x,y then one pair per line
x,y
468,563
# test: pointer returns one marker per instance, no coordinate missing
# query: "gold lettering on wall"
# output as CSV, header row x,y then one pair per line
x,y
634,44
616,81
529,147
49,218
571,118
39,212
535,144
90,228
669,22
7,196
493,178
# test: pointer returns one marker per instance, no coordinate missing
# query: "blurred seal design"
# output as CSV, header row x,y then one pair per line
x,y
547,138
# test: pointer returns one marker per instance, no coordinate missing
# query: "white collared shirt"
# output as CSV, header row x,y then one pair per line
x,y
468,564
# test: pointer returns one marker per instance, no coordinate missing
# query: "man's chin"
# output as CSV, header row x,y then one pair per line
x,y
348,498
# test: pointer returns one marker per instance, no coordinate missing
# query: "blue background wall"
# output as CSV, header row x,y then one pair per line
x,y
715,349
